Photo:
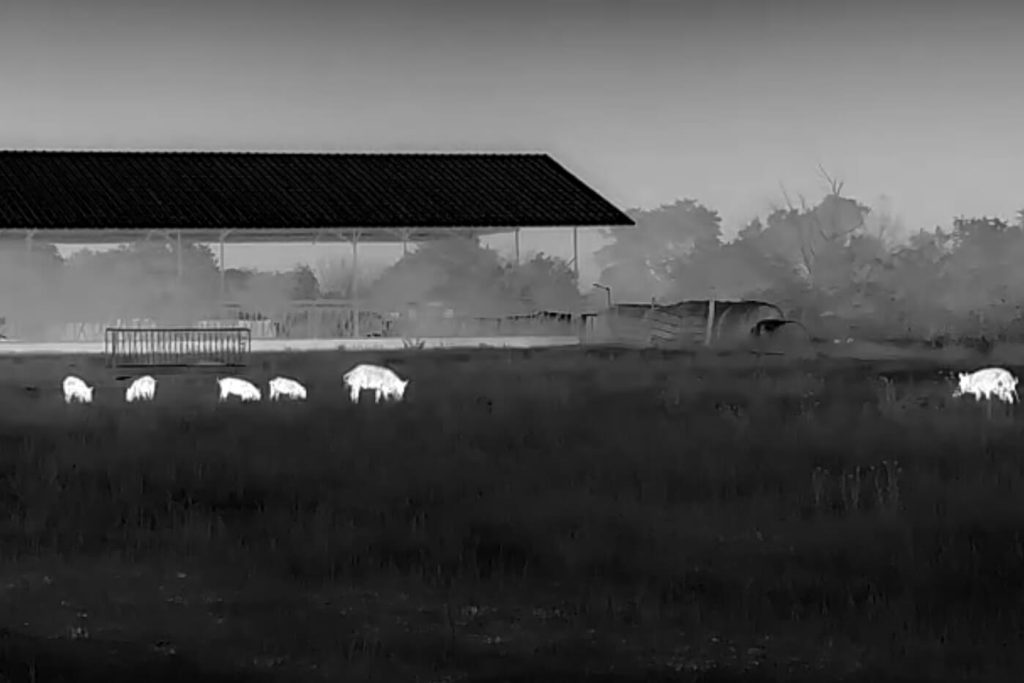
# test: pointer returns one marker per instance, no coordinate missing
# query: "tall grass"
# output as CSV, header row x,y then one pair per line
x,y
711,491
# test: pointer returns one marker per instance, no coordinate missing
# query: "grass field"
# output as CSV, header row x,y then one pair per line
x,y
523,516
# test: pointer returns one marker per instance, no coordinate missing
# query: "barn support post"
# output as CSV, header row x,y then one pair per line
x,y
313,315
29,235
711,321
576,254
222,267
180,269
354,286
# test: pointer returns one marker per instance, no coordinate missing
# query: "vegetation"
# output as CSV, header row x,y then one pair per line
x,y
840,267
523,516
141,280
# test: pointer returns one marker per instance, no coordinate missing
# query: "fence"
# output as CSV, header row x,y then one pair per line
x,y
646,325
310,319
327,319
177,346
540,323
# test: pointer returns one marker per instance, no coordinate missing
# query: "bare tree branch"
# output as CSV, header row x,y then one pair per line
x,y
785,195
835,185
807,255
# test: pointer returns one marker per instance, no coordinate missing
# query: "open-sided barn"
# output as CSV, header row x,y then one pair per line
x,y
224,198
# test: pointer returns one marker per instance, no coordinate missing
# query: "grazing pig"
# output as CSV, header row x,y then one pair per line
x,y
289,388
76,390
233,386
142,389
385,383
986,383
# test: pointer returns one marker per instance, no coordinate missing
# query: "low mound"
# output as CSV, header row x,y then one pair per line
x,y
781,336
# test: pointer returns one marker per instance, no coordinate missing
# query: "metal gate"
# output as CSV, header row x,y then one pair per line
x,y
177,346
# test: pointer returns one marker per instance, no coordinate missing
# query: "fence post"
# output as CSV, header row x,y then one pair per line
x,y
112,353
711,322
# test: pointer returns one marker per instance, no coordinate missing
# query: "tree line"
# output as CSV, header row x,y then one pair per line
x,y
836,266
832,266
40,288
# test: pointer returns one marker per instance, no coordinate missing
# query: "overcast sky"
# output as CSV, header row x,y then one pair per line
x,y
646,101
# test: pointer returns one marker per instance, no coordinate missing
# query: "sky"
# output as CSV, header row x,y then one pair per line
x,y
725,101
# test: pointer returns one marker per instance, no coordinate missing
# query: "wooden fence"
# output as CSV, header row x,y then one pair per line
x,y
685,324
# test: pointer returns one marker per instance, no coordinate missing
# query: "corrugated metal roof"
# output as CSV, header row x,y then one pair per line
x,y
61,190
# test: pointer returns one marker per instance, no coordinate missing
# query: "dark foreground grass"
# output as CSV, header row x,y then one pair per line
x,y
523,516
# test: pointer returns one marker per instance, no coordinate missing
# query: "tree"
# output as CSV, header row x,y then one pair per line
x,y
984,265
737,270
751,231
462,274
542,283
911,277
262,292
883,225
141,280
304,284
30,286
458,271
638,264
803,236
847,284
236,280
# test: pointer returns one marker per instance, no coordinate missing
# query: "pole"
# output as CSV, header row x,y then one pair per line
x,y
223,268
179,257
517,246
179,305
576,253
28,261
711,321
355,284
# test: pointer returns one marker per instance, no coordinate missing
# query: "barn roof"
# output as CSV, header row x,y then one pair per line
x,y
66,194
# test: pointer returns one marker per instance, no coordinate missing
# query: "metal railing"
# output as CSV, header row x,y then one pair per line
x,y
177,346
